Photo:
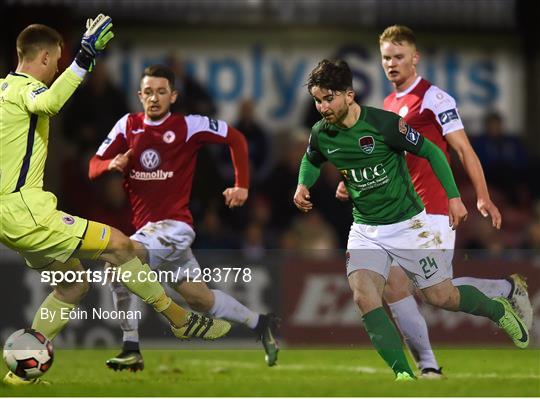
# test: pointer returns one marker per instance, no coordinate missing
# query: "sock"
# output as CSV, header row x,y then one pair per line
x,y
490,288
124,300
228,308
472,301
261,325
386,340
176,314
130,346
152,292
413,327
48,319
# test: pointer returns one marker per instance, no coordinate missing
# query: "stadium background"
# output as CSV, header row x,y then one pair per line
x,y
246,62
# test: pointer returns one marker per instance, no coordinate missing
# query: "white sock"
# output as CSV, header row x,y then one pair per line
x,y
132,336
490,288
228,308
124,300
413,327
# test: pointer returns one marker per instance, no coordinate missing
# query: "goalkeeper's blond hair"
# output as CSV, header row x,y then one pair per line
x,y
397,34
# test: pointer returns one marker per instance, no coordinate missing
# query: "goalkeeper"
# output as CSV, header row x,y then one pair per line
x,y
30,222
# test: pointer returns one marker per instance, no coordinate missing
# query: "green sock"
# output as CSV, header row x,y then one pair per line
x,y
473,301
386,340
150,292
48,319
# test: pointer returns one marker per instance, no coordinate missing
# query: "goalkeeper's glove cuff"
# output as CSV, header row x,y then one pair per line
x,y
75,68
85,60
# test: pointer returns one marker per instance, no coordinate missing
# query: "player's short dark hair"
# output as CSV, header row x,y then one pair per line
x,y
331,75
35,38
160,71
398,34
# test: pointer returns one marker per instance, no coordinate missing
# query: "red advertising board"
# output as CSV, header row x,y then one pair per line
x,y
318,307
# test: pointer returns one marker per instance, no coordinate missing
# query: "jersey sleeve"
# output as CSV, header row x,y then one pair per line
x,y
444,107
39,99
114,144
239,155
205,129
313,152
399,136
310,166
440,167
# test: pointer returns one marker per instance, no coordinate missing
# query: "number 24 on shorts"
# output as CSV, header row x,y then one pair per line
x,y
429,266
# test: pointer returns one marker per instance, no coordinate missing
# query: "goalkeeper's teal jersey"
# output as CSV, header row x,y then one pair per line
x,y
370,157
25,107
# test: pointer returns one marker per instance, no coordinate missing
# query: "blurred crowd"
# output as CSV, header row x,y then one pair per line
x,y
269,220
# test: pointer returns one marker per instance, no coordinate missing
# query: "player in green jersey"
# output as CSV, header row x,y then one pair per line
x,y
367,145
51,240
435,113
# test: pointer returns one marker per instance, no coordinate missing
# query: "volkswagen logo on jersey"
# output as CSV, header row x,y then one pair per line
x,y
150,159
367,144
169,136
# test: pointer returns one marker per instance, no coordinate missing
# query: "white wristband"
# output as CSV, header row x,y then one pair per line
x,y
80,72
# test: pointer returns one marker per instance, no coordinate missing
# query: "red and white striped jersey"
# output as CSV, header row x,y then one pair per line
x,y
159,176
432,112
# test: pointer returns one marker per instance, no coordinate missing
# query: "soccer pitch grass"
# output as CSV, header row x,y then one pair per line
x,y
314,372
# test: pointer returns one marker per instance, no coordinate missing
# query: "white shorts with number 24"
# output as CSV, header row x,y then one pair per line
x,y
423,246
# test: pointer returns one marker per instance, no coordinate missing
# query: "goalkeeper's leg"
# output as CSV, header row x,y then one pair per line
x,y
48,319
111,245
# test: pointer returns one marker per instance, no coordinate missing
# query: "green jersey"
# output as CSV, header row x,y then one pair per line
x,y
371,158
25,107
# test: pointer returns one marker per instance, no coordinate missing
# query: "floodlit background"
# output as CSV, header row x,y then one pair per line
x,y
246,62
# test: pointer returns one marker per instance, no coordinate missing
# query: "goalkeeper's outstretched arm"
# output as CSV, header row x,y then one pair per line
x,y
40,100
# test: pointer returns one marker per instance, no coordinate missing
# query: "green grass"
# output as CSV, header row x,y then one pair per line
x,y
315,372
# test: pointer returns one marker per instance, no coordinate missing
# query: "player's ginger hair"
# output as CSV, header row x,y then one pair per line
x,y
34,38
398,34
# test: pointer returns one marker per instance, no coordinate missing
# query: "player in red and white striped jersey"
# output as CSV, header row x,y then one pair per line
x,y
433,113
157,152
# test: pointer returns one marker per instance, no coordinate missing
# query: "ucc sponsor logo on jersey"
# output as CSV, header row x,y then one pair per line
x,y
366,174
